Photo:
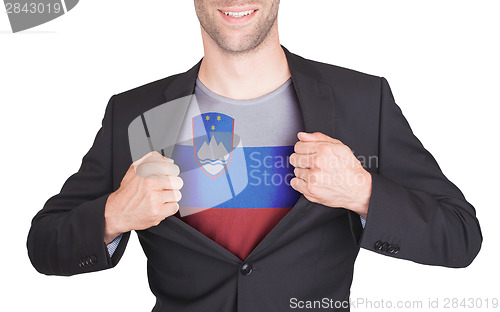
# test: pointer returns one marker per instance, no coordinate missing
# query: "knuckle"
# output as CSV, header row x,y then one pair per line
x,y
153,200
144,170
313,176
177,182
173,169
148,183
342,149
158,184
177,195
166,181
154,210
143,166
172,208
297,147
317,161
311,190
348,150
155,155
302,162
317,179
180,182
324,148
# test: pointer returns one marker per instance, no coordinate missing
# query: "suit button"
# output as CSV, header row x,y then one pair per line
x,y
93,260
83,263
378,245
246,269
384,246
390,249
396,249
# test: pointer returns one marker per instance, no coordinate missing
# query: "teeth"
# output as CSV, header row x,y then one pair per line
x,y
239,14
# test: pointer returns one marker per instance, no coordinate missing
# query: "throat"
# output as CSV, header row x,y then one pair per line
x,y
244,78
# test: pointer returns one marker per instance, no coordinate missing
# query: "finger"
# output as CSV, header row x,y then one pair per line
x,y
157,170
302,173
147,156
172,169
152,156
168,160
165,183
133,167
301,186
316,137
302,161
172,183
171,208
171,196
302,147
157,157
314,147
310,176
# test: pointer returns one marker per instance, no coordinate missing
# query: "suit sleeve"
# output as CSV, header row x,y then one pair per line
x,y
67,236
415,212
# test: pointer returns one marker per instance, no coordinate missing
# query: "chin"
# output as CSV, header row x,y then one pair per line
x,y
238,44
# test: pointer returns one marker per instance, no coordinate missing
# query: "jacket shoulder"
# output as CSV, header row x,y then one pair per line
x,y
130,104
153,90
342,76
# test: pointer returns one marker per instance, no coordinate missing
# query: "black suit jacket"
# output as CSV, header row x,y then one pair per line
x,y
415,212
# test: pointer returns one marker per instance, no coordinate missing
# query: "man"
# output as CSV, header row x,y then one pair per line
x,y
261,246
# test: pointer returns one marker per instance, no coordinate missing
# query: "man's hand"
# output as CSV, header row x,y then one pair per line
x,y
328,173
148,193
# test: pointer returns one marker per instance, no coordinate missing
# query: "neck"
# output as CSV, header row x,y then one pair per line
x,y
244,76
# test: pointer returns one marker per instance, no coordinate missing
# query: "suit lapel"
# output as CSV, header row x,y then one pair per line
x,y
318,110
183,84
315,98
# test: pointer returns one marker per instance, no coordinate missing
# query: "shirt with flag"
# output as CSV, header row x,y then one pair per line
x,y
233,157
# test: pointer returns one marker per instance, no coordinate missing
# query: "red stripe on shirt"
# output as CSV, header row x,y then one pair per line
x,y
238,230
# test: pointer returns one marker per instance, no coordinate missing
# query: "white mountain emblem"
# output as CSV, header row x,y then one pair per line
x,y
213,156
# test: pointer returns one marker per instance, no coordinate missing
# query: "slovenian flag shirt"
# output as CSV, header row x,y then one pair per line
x,y
233,157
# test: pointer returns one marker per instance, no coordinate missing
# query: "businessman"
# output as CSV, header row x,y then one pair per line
x,y
253,179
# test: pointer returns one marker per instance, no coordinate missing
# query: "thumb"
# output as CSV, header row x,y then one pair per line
x,y
152,156
316,137
148,156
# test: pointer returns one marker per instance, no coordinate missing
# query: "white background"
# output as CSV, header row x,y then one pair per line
x,y
440,57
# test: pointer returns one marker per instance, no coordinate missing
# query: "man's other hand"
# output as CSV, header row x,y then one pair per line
x,y
327,172
148,193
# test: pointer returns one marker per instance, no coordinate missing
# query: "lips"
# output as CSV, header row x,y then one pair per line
x,y
237,15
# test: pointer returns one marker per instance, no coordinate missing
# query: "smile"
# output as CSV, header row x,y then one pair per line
x,y
238,14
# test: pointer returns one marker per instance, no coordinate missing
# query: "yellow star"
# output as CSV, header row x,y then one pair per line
x,y
207,118
213,127
218,118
